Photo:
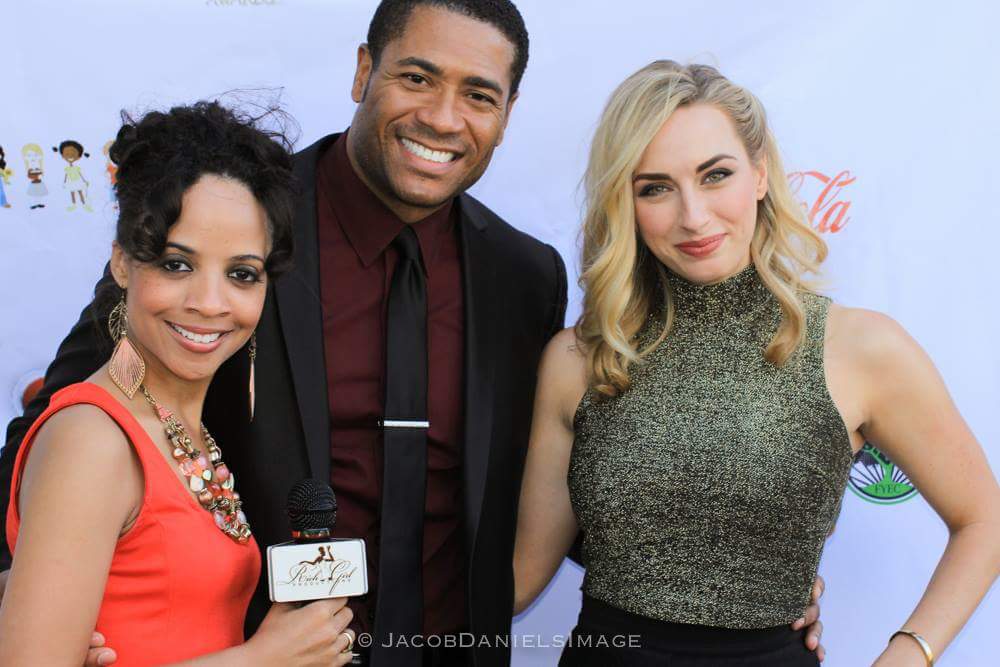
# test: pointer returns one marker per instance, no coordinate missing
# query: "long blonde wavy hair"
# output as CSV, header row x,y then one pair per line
x,y
621,280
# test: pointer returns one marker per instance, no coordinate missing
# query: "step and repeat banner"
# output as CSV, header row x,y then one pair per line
x,y
886,113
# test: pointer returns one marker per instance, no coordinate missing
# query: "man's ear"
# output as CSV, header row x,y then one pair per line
x,y
506,118
362,74
119,265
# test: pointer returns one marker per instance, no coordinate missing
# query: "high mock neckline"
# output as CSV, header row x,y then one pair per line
x,y
741,294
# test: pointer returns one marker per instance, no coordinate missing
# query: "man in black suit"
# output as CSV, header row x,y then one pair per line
x,y
435,86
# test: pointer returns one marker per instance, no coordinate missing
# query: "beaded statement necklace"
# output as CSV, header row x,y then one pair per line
x,y
208,478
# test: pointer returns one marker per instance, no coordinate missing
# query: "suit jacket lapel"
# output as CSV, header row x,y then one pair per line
x,y
301,314
479,274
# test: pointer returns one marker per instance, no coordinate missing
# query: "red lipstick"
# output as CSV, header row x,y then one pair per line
x,y
702,247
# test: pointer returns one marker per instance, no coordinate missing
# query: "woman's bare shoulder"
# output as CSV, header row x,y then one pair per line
x,y
563,376
565,343
83,424
79,441
564,356
870,339
867,328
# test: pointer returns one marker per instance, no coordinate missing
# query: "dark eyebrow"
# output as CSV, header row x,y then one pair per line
x,y
666,177
182,248
708,163
480,82
425,65
192,251
431,68
651,177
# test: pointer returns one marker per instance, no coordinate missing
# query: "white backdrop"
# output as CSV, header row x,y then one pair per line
x,y
895,102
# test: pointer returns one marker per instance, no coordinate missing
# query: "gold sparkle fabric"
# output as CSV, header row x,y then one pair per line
x,y
706,490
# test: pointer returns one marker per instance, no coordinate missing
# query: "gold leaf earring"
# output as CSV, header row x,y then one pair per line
x,y
253,356
127,368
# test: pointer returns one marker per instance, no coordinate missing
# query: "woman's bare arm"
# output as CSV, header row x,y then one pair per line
x,y
546,526
82,485
909,415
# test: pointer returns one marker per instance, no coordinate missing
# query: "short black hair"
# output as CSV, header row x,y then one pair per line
x,y
162,154
391,17
69,143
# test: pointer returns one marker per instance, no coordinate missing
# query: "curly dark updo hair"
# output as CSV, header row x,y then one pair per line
x,y
162,154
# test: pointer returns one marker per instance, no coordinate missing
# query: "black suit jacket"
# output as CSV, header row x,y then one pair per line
x,y
515,301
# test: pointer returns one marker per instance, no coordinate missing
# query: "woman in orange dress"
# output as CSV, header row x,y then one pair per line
x,y
124,516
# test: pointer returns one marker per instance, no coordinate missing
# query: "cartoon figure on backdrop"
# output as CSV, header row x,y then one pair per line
x,y
112,169
5,174
34,166
74,181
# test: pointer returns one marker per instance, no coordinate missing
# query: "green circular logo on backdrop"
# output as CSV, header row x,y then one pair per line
x,y
875,478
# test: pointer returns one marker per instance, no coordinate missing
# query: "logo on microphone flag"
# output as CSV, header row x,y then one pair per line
x,y
329,569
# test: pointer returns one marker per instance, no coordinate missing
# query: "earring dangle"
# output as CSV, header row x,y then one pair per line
x,y
253,356
127,368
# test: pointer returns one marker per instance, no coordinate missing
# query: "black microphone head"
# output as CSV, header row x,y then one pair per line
x,y
311,506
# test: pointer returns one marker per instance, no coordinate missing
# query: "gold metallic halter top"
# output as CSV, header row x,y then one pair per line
x,y
706,490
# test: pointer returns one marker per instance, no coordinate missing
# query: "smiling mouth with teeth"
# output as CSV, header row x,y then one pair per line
x,y
196,338
421,151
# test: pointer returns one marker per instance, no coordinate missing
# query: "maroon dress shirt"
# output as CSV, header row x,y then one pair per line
x,y
355,233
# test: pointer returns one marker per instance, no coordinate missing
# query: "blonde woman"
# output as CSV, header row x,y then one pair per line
x,y
34,165
698,423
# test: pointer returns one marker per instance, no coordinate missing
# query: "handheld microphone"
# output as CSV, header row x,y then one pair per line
x,y
315,566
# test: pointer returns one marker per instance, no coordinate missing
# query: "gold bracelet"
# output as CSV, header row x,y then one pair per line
x,y
924,646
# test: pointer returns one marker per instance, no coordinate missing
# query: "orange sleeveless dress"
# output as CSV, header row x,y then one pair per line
x,y
178,587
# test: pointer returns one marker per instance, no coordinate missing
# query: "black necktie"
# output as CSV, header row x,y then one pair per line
x,y
399,607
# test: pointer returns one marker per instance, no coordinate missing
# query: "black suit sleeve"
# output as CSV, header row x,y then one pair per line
x,y
559,301
81,353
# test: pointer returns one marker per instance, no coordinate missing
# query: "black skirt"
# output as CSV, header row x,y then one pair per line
x,y
609,637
